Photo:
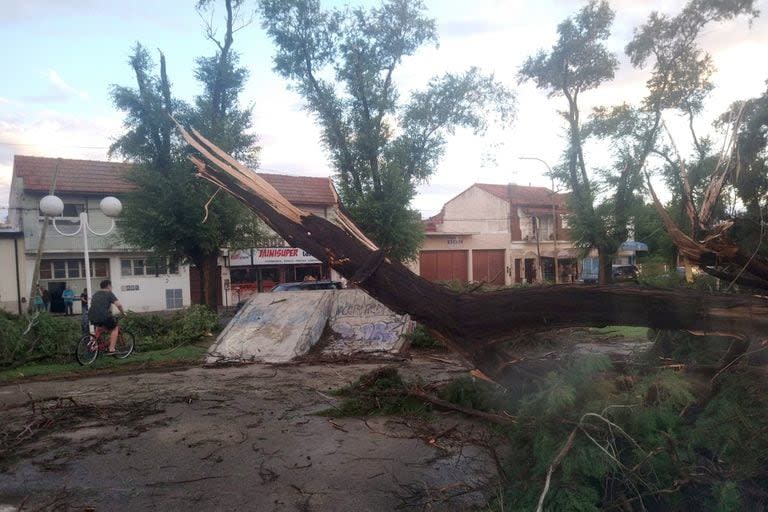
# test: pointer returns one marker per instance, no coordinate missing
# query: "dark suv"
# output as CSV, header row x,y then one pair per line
x,y
307,285
624,273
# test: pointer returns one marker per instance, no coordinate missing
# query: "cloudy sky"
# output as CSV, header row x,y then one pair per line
x,y
62,56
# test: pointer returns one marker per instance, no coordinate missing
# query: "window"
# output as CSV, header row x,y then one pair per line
x,y
99,268
173,298
141,267
72,269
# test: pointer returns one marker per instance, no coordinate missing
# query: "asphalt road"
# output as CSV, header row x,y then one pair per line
x,y
237,438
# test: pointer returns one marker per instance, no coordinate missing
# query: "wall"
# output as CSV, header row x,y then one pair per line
x,y
32,223
9,298
150,295
476,211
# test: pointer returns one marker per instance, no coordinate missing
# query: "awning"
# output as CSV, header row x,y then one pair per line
x,y
562,254
631,245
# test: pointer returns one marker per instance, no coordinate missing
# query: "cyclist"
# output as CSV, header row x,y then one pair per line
x,y
100,311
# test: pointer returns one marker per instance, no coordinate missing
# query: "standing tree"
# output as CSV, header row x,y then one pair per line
x,y
680,80
173,212
343,64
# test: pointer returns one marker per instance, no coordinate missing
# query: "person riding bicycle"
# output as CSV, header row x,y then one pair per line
x,y
100,312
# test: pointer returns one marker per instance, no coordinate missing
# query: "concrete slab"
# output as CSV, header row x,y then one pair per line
x,y
273,327
361,324
278,327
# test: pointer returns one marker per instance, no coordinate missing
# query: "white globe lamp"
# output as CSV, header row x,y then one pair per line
x,y
51,206
111,206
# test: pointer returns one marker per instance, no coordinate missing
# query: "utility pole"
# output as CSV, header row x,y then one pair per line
x,y
554,214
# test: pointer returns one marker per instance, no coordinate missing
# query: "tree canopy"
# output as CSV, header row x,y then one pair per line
x,y
172,212
343,63
679,80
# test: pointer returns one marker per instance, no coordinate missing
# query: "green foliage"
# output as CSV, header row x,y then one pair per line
x,y
343,64
422,338
476,394
380,392
604,200
49,338
685,347
157,331
167,210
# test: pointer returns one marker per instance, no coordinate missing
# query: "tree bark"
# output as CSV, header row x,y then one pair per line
x,y
208,278
605,261
476,325
207,266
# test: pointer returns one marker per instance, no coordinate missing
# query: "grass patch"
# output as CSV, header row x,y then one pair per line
x,y
181,353
382,392
627,331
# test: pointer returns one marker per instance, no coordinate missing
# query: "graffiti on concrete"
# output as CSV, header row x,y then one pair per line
x,y
375,332
360,323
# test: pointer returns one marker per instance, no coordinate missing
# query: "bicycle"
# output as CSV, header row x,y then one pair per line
x,y
90,345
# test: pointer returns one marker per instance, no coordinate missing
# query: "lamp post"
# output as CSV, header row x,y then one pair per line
x,y
53,207
554,213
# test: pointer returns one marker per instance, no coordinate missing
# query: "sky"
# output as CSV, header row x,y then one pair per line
x,y
63,56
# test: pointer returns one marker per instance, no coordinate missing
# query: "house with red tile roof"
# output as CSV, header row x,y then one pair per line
x,y
501,235
141,281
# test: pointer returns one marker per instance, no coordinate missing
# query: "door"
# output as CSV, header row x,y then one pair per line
x,y
530,270
444,265
56,289
488,266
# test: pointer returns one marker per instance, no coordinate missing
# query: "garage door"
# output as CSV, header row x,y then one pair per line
x,y
488,266
444,265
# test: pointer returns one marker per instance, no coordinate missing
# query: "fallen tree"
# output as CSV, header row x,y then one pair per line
x,y
476,325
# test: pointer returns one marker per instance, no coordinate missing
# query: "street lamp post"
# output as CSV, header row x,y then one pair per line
x,y
53,207
554,213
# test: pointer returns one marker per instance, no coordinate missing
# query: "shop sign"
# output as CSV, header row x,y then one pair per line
x,y
271,256
237,258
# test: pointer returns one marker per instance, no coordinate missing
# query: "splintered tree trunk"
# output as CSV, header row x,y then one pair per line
x,y
476,324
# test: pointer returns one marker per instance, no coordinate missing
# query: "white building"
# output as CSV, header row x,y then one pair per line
x,y
140,281
81,184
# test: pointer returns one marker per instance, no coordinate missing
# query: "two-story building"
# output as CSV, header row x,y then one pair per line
x,y
501,235
142,281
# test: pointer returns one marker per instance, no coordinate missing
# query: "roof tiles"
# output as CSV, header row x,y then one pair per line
x,y
95,177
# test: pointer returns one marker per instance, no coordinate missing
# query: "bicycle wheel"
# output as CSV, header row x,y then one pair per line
x,y
87,350
125,344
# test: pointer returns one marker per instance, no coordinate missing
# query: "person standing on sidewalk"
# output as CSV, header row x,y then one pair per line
x,y
69,297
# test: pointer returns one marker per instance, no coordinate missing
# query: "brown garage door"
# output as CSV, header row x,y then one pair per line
x,y
444,265
488,266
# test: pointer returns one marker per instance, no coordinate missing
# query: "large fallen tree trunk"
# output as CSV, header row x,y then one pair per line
x,y
476,324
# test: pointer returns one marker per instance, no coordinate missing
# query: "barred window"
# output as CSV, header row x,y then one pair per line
x,y
173,298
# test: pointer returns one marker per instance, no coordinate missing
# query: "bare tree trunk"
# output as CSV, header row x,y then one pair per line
x,y
209,275
476,325
605,262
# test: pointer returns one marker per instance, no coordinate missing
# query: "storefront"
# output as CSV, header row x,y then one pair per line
x,y
261,269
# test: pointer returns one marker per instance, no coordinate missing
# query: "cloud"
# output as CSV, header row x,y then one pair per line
x,y
58,90
468,27
53,134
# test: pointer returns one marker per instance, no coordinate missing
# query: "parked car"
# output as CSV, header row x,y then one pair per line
x,y
624,273
307,285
